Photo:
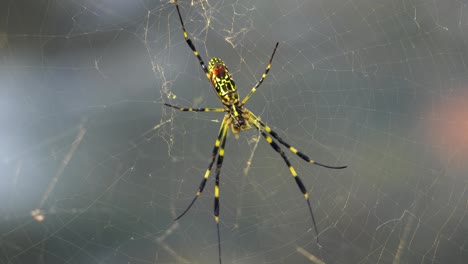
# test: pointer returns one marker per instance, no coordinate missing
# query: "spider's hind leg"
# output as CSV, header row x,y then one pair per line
x,y
301,155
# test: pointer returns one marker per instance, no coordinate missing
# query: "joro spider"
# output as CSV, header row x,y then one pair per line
x,y
238,118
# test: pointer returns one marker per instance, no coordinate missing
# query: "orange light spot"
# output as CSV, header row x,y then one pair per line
x,y
38,215
447,127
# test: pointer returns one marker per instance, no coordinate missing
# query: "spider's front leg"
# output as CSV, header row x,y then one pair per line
x,y
190,109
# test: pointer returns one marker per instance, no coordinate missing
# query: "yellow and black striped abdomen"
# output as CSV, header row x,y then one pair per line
x,y
222,82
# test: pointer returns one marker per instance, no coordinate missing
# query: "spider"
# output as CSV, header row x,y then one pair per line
x,y
238,118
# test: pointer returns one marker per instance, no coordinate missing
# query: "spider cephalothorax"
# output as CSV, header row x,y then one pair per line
x,y
239,118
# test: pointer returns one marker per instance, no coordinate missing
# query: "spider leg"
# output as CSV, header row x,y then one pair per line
x,y
197,109
221,138
219,164
298,180
190,43
263,77
292,149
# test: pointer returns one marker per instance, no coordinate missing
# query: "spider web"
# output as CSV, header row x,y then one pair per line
x,y
94,168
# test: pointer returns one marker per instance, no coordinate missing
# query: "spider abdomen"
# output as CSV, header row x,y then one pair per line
x,y
223,82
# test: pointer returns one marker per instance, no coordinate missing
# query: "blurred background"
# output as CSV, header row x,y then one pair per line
x,y
94,168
